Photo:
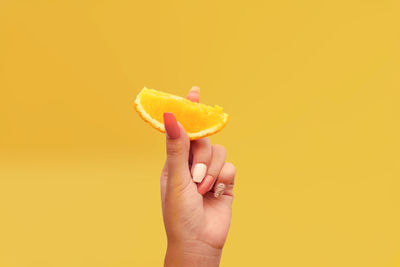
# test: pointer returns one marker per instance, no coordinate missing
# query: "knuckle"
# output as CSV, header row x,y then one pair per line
x,y
219,148
174,151
202,153
230,169
202,146
207,141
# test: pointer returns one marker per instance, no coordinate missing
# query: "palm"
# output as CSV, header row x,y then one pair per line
x,y
206,218
217,217
209,217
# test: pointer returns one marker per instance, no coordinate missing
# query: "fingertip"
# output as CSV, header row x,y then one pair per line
x,y
201,189
219,190
199,172
182,130
195,89
172,128
194,94
183,135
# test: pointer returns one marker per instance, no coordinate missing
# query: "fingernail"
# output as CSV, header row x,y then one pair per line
x,y
199,172
211,181
206,184
219,189
193,94
171,126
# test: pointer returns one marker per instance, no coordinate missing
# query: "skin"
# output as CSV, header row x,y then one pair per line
x,y
196,221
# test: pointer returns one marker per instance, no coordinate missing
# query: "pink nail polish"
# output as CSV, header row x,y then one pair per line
x,y
206,184
171,126
194,94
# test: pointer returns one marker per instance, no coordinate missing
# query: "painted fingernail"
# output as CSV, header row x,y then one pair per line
x,y
171,126
219,189
199,171
193,94
210,181
206,184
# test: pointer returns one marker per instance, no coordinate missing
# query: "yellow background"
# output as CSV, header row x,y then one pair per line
x,y
312,88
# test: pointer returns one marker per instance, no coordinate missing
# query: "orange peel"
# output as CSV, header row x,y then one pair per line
x,y
198,120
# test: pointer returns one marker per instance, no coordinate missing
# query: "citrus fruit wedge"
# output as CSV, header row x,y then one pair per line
x,y
199,120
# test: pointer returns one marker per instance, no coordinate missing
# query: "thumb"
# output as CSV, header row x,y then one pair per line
x,y
178,146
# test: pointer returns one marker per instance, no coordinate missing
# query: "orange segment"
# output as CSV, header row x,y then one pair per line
x,y
199,120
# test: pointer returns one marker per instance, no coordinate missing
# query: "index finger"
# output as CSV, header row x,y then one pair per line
x,y
200,149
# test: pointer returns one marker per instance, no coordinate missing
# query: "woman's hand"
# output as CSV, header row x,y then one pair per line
x,y
196,215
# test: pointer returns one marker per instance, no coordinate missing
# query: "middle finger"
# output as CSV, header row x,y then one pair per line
x,y
216,164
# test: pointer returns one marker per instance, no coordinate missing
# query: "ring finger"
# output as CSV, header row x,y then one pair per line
x,y
226,180
216,164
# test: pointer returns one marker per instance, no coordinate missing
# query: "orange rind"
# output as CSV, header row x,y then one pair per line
x,y
198,120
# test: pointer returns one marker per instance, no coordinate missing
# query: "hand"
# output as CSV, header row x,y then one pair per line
x,y
196,216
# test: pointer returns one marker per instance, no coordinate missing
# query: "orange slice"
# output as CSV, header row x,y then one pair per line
x,y
199,120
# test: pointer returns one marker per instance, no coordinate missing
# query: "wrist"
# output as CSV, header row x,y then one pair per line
x,y
193,253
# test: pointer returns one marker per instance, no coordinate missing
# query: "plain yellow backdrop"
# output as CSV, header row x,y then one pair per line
x,y
312,88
